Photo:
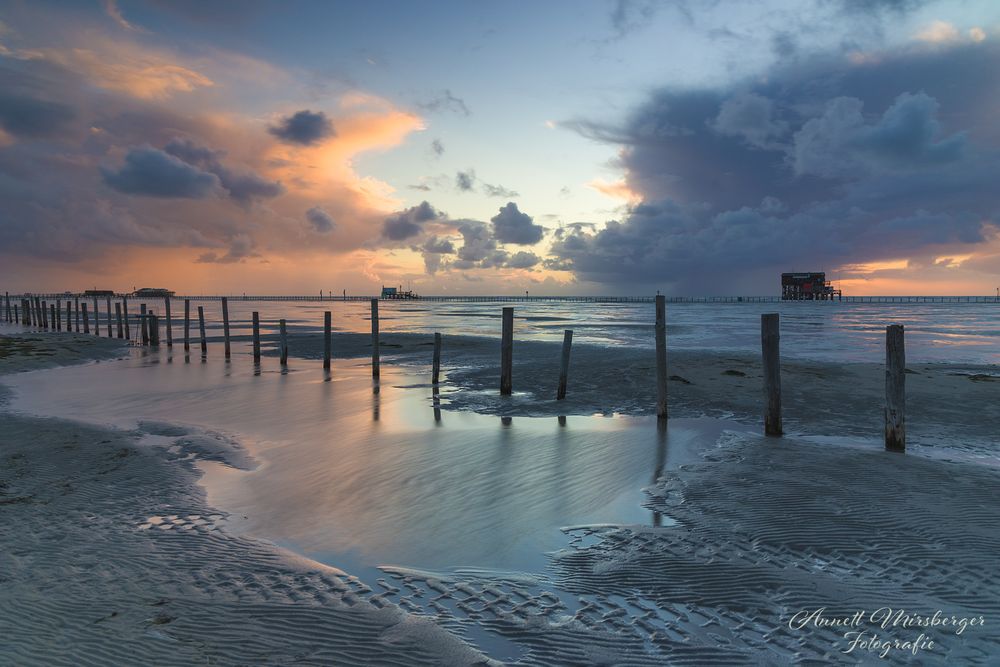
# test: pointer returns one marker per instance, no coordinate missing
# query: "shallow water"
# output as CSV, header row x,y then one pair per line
x,y
824,331
355,477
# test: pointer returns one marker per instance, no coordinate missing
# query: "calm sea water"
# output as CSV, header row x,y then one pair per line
x,y
828,331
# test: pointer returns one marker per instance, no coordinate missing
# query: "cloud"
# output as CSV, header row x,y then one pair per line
x,y
244,186
437,148
817,162
28,117
499,191
304,127
445,101
241,247
465,180
124,68
840,142
407,224
111,9
151,172
320,220
512,226
751,117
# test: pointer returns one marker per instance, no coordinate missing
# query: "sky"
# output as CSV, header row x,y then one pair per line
x,y
556,147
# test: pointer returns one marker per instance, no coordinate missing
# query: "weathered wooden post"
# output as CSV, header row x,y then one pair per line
x,y
895,389
187,324
201,328
564,364
283,334
97,317
327,327
86,320
110,332
69,315
436,367
256,337
58,321
225,325
7,304
769,341
128,330
118,318
154,329
506,350
45,315
76,307
170,325
661,356
375,341
143,325
16,313
52,316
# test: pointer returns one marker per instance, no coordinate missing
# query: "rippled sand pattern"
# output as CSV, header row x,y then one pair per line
x,y
766,528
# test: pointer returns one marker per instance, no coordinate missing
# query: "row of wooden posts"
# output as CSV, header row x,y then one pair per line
x,y
35,312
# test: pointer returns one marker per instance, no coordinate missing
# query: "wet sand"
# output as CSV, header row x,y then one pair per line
x,y
734,535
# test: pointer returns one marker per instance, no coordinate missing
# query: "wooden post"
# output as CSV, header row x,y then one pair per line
x,y
564,364
187,324
895,389
170,325
661,356
327,326
201,328
128,330
436,369
76,306
86,320
108,307
52,316
118,318
154,329
769,339
16,313
45,315
143,325
97,318
7,304
284,342
69,315
225,325
375,341
256,337
58,325
506,350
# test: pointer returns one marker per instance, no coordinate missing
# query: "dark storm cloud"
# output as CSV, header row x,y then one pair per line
x,y
32,118
408,223
244,186
820,162
304,127
151,172
320,220
512,226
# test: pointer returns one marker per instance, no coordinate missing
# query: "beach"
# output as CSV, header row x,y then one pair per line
x,y
161,508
